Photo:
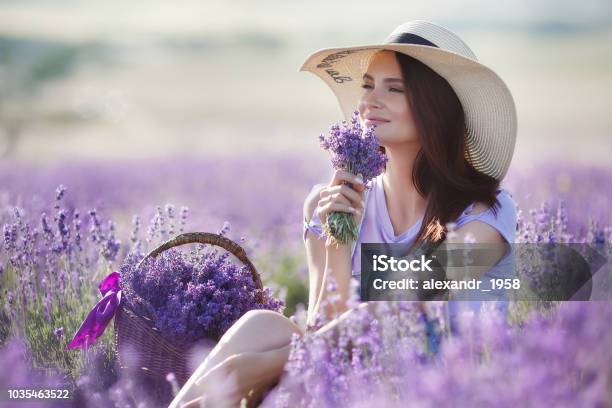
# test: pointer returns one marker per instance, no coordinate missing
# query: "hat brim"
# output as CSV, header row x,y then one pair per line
x,y
488,105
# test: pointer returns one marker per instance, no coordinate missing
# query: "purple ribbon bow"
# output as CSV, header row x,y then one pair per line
x,y
96,321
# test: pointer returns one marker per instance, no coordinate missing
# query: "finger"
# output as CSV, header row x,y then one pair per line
x,y
357,187
335,203
356,198
320,211
333,199
323,202
345,176
332,207
340,199
324,192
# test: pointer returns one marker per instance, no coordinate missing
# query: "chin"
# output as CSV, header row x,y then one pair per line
x,y
382,135
390,141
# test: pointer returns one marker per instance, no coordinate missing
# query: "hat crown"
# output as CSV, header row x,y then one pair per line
x,y
426,33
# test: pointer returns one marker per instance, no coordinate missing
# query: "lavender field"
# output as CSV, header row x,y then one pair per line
x,y
67,226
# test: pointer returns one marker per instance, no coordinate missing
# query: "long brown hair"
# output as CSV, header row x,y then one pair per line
x,y
441,172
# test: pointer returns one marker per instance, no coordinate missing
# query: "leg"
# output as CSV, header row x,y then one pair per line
x,y
256,331
372,308
332,324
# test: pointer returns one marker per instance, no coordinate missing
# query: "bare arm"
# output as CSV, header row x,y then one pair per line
x,y
325,260
338,266
315,253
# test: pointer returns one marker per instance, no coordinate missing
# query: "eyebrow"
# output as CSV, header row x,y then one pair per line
x,y
384,80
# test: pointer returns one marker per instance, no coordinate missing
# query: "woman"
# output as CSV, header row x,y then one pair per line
x,y
448,126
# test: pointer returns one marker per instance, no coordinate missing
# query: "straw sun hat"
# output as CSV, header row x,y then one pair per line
x,y
487,103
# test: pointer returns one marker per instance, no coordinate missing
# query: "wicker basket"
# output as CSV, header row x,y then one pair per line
x,y
153,354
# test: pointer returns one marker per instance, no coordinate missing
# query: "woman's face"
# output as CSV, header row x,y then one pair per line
x,y
384,97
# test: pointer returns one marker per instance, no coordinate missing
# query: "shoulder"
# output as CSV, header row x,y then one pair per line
x,y
487,224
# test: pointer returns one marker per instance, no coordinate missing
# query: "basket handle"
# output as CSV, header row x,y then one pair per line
x,y
212,239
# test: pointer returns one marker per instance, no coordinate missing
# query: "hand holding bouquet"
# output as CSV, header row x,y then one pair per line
x,y
358,153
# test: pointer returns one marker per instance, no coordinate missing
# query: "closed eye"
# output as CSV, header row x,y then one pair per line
x,y
366,86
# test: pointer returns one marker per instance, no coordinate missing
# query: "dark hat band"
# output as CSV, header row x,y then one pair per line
x,y
409,38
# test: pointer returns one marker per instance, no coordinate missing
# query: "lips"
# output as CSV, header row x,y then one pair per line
x,y
375,121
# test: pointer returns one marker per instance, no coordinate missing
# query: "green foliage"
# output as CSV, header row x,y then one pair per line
x,y
46,351
283,270
4,326
519,311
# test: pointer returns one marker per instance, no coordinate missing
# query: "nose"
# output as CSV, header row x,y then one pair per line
x,y
370,100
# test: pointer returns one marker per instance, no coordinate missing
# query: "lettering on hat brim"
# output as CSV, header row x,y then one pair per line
x,y
331,59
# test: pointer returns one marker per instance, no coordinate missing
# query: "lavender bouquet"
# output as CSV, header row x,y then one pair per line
x,y
192,295
359,153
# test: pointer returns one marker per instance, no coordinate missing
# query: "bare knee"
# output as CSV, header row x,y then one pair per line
x,y
262,330
268,322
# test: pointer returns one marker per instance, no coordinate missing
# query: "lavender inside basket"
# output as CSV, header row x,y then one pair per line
x,y
191,295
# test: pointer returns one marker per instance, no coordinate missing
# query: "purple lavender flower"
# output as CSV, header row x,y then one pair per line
x,y
359,153
111,245
44,222
94,229
10,236
184,214
76,224
58,332
224,229
59,195
354,150
170,210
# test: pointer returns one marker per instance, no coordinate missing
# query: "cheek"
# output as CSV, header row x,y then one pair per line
x,y
402,129
402,112
406,120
